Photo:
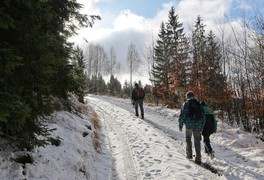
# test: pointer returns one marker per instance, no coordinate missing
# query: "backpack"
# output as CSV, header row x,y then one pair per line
x,y
140,93
195,110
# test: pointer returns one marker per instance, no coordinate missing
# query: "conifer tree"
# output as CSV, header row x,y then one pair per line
x,y
101,85
170,57
78,74
215,90
179,50
127,89
198,54
161,65
34,68
114,86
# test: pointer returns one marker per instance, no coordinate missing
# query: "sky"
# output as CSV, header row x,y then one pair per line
x,y
132,148
138,21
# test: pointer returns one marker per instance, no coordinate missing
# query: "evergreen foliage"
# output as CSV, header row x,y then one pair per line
x,y
215,88
78,74
114,86
96,85
198,52
170,59
127,89
207,79
34,63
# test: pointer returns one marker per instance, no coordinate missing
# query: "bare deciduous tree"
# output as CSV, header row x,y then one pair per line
x,y
133,60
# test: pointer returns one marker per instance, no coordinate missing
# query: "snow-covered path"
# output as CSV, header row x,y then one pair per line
x,y
154,148
140,149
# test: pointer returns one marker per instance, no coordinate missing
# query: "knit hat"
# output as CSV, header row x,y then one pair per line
x,y
202,103
189,94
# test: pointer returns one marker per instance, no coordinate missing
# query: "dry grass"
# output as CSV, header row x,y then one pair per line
x,y
97,125
83,109
95,121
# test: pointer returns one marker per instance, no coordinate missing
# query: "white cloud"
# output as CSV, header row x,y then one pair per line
x,y
128,20
89,6
209,10
118,29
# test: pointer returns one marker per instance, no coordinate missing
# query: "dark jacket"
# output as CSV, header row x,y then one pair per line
x,y
210,122
135,94
184,118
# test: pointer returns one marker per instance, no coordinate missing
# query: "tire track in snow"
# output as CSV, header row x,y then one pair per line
x,y
123,155
149,153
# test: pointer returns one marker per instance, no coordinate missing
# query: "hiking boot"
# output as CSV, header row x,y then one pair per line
x,y
142,116
206,151
198,161
189,157
212,154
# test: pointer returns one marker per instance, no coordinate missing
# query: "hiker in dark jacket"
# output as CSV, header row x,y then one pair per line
x,y
209,128
138,96
193,127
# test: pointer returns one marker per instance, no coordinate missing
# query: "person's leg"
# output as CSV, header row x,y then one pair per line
x,y
207,146
188,136
136,107
140,102
197,145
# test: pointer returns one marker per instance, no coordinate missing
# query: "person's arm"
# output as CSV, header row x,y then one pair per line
x,y
215,123
204,115
182,117
133,95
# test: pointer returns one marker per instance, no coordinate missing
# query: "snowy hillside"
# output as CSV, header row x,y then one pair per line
x,y
127,147
75,158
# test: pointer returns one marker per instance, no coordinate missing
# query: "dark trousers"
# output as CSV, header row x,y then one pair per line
x,y
207,145
140,104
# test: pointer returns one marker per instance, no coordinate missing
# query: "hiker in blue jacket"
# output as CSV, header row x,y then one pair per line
x,y
193,126
209,128
138,96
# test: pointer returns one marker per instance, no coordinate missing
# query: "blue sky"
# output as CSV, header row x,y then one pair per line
x,y
138,21
149,8
146,8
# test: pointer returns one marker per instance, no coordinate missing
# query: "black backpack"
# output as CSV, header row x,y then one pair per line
x,y
140,93
195,110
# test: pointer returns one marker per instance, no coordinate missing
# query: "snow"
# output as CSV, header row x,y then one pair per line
x,y
132,148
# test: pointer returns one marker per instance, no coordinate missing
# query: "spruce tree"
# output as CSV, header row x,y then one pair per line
x,y
198,54
34,63
170,58
161,65
179,50
215,90
114,86
78,74
101,85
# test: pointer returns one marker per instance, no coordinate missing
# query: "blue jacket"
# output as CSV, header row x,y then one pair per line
x,y
184,118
